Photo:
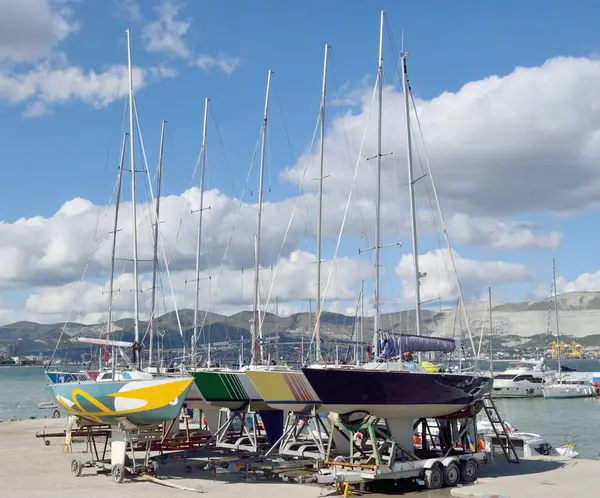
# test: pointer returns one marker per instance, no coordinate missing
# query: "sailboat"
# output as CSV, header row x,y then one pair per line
x,y
140,399
389,389
565,386
282,388
232,389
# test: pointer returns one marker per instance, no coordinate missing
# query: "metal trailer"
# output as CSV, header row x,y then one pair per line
x,y
120,463
434,473
445,451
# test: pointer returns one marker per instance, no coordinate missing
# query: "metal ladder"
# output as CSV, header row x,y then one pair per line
x,y
500,430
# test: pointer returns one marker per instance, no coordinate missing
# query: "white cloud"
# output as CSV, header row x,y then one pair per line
x,y
45,85
31,29
440,282
585,282
223,63
499,234
30,33
222,291
501,146
166,33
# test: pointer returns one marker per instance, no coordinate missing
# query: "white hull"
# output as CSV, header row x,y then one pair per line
x,y
397,412
569,391
510,389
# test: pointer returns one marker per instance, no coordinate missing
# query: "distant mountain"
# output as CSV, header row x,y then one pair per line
x,y
514,324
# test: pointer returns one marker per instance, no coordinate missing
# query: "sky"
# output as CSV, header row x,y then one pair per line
x,y
507,96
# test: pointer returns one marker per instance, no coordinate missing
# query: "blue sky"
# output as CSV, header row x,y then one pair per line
x,y
69,148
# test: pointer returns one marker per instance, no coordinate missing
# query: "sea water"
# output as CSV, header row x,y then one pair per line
x,y
22,389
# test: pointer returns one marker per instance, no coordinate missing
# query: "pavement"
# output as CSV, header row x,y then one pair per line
x,y
533,478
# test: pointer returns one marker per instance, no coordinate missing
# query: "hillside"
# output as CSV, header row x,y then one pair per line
x,y
519,324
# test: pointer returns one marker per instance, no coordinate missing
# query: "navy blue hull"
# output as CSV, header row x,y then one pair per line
x,y
435,394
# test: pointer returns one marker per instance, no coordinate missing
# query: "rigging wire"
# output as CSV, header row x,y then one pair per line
x,y
347,208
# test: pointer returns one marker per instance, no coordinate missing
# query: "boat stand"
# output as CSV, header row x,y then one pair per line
x,y
239,430
387,449
123,438
304,436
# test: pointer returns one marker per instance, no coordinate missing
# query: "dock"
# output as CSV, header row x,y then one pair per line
x,y
31,469
534,477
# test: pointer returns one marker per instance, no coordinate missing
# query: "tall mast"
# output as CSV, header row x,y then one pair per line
x,y
491,329
111,284
155,245
256,325
362,311
378,200
556,314
199,239
413,208
318,357
136,295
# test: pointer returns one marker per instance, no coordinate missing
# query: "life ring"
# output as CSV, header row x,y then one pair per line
x,y
56,414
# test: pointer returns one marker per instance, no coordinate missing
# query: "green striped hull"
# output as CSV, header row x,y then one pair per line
x,y
223,389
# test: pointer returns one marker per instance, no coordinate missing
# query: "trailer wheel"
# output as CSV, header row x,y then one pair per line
x,y
76,467
469,471
434,477
451,474
118,472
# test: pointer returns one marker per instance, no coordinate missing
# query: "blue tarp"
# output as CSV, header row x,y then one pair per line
x,y
393,345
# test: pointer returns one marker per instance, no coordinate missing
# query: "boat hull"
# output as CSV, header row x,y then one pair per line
x,y
396,394
228,389
288,391
510,389
139,402
566,391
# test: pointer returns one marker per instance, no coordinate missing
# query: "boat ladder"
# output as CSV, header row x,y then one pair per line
x,y
500,430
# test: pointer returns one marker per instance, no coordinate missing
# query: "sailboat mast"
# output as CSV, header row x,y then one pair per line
x,y
556,315
378,199
318,357
413,208
491,329
136,296
256,325
111,284
199,239
155,244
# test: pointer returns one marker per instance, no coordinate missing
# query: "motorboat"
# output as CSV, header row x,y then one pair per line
x,y
522,379
526,444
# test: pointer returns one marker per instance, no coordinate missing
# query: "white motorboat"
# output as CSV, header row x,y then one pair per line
x,y
523,379
526,444
570,387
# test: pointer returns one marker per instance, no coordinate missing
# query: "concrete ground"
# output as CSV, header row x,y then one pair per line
x,y
29,469
533,478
